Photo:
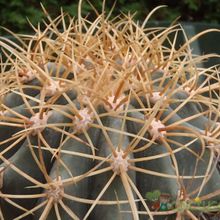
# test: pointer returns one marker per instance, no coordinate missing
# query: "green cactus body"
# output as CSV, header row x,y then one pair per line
x,y
107,120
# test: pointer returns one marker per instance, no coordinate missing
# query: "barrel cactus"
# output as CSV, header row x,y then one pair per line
x,y
109,119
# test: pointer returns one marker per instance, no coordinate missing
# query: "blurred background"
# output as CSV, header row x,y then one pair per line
x,y
14,13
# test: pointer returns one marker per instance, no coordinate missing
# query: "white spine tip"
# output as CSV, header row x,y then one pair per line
x,y
38,122
119,163
156,96
52,88
83,124
56,190
114,105
154,129
27,76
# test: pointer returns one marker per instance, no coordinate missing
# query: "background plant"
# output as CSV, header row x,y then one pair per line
x,y
14,13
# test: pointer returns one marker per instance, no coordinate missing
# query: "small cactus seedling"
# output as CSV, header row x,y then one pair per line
x,y
95,114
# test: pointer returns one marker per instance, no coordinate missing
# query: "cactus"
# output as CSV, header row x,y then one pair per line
x,y
100,119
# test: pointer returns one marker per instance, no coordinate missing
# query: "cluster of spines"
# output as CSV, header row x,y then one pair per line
x,y
104,72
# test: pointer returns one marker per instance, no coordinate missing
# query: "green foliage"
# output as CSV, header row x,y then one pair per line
x,y
153,196
14,13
